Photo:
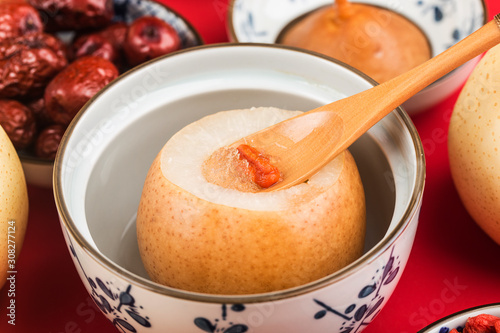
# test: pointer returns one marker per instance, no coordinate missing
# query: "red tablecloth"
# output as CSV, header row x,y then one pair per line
x,y
453,264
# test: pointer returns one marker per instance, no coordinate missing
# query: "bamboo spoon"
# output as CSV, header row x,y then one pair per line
x,y
305,143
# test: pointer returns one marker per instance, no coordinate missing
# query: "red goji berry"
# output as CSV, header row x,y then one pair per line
x,y
263,172
483,323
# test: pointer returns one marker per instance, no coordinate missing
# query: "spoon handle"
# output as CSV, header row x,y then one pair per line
x,y
316,137
377,102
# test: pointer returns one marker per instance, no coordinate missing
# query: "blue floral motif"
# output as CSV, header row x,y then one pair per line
x,y
359,315
222,325
462,32
438,9
113,301
249,29
441,9
447,330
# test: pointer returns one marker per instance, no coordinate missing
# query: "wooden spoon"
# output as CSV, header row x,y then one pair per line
x,y
305,143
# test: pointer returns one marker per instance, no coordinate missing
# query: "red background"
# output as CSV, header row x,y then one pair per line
x,y
453,264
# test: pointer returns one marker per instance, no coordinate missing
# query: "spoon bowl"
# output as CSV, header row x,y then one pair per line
x,y
305,143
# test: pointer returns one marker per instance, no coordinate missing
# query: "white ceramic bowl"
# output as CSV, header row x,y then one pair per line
x,y
457,320
443,22
108,149
38,171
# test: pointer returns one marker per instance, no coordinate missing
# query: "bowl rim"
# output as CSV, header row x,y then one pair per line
x,y
411,211
30,158
455,315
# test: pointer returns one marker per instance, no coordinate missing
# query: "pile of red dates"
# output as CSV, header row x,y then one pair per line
x,y
44,81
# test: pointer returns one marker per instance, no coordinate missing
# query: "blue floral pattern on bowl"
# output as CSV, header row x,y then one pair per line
x,y
221,324
354,318
119,304
357,316
447,330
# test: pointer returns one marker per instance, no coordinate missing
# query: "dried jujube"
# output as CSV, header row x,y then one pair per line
x,y
115,33
17,19
75,85
149,37
18,122
74,14
48,141
94,45
28,63
37,107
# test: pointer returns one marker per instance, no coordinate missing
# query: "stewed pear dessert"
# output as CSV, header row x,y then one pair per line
x,y
204,224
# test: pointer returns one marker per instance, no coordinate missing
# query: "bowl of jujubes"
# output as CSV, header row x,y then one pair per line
x,y
56,55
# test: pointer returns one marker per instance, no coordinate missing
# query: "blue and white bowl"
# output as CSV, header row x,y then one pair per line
x,y
457,320
443,22
38,171
107,151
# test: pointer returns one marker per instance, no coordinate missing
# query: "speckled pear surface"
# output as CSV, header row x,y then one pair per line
x,y
13,206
